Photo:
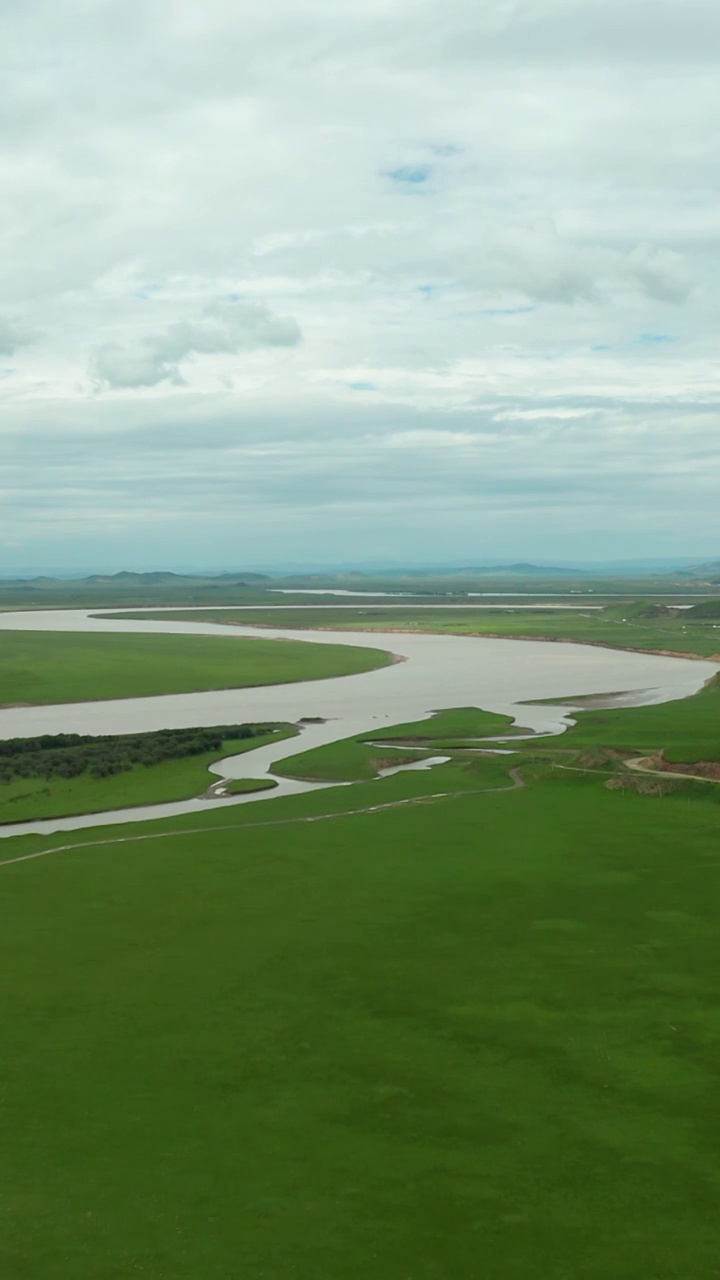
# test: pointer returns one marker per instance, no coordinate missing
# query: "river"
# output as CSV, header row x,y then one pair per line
x,y
432,673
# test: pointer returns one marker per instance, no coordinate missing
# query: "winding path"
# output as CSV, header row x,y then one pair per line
x,y
639,764
517,784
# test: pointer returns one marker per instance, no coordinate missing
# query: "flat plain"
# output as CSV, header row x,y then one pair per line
x,y
42,667
472,1035
434,1026
628,625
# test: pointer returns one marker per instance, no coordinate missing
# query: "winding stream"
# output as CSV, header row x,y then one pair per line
x,y
435,672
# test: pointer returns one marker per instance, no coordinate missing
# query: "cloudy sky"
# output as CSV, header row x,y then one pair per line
x,y
341,280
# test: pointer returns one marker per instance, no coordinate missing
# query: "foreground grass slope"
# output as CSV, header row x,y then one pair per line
x,y
45,668
473,1037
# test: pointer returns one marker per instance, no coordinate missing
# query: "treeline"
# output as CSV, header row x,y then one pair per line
x,y
69,755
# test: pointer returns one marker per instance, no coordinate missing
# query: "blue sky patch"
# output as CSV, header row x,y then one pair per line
x,y
412,175
507,311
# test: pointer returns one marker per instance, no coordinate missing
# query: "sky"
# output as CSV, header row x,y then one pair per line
x,y
427,281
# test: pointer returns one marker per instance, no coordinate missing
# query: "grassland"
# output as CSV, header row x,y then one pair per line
x,y
455,724
476,1036
354,759
687,730
376,1030
621,626
25,799
244,786
51,667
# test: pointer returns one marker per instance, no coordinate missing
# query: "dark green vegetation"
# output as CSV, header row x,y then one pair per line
x,y
52,667
469,1037
69,755
632,625
40,780
362,757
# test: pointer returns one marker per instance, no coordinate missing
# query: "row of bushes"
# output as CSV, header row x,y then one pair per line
x,y
70,755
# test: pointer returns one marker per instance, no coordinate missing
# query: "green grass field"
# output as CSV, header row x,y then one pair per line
x,y
620,626
355,759
24,799
369,1031
244,786
687,730
351,760
453,724
60,667
470,1037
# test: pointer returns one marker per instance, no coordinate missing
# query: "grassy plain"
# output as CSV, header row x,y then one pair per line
x,y
687,730
362,757
25,799
38,667
244,786
469,1037
620,626
433,1039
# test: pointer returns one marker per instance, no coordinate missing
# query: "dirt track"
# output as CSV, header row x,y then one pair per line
x,y
517,784
639,764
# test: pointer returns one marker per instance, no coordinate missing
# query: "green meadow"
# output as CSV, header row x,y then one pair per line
x,y
437,1026
630,625
687,730
355,759
458,1037
38,667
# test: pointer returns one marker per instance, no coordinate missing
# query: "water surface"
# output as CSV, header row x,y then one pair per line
x,y
434,672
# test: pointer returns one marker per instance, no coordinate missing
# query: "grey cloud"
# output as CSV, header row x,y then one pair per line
x,y
538,263
140,365
590,31
574,469
13,335
567,148
225,327
660,273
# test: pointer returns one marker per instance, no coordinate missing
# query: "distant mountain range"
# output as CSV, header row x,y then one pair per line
x,y
166,576
706,571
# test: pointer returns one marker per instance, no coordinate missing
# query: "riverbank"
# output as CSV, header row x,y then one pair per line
x,y
439,672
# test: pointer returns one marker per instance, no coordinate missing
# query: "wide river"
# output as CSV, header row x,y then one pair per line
x,y
433,672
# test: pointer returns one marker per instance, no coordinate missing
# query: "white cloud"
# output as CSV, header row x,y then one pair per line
x,y
488,216
13,335
225,327
661,273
